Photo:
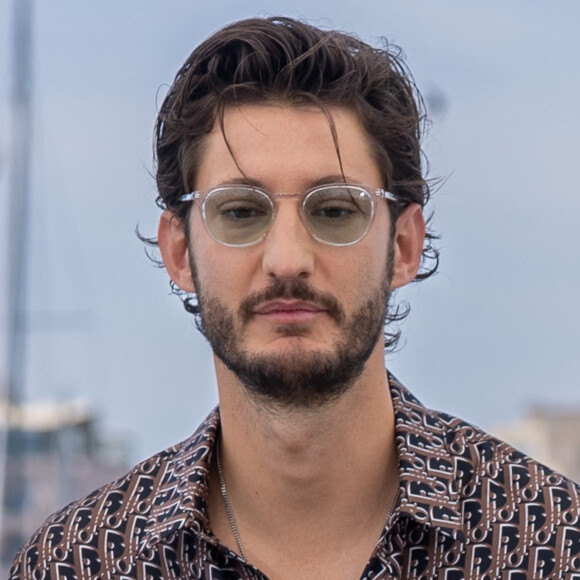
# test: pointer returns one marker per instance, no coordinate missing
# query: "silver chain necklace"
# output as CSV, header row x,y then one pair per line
x,y
230,511
228,505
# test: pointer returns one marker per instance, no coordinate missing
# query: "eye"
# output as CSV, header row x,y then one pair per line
x,y
241,211
230,208
334,210
237,215
336,204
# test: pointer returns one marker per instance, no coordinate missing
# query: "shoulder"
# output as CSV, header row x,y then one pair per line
x,y
471,502
489,464
482,492
110,523
474,454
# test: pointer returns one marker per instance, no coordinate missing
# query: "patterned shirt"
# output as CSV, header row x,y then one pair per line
x,y
471,507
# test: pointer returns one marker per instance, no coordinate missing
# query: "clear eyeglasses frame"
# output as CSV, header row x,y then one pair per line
x,y
337,214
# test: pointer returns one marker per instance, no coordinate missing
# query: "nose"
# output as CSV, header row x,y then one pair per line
x,y
288,247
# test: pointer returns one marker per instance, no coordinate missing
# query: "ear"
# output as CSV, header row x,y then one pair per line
x,y
174,251
408,242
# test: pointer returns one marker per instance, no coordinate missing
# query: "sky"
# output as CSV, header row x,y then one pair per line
x,y
494,332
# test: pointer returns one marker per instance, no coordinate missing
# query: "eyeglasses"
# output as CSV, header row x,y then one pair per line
x,y
241,215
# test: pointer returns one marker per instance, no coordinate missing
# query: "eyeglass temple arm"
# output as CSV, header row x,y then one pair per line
x,y
189,196
386,194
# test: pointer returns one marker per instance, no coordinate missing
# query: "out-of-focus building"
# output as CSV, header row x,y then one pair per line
x,y
54,455
549,434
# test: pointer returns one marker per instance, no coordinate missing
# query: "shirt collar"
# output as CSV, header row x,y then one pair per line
x,y
182,493
427,470
428,487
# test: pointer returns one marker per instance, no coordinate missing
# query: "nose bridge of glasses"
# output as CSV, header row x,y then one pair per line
x,y
282,198
286,195
288,205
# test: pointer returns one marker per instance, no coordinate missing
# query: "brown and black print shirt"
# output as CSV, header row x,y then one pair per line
x,y
471,507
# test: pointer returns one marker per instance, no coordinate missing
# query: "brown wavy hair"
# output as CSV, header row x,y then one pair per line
x,y
280,59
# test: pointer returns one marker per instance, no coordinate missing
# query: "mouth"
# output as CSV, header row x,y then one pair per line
x,y
288,311
290,302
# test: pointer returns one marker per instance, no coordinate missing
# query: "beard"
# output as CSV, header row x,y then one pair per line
x,y
298,377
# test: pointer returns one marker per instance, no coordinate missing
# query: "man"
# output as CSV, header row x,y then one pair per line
x,y
289,170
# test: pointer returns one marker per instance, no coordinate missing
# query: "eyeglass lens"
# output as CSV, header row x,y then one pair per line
x,y
336,214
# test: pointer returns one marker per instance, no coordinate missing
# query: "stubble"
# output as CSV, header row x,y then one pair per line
x,y
297,377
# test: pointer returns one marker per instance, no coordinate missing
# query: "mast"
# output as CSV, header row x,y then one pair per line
x,y
19,186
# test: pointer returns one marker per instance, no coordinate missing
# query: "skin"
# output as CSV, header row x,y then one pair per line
x,y
294,474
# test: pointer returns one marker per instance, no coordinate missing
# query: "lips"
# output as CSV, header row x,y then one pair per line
x,y
288,306
283,311
290,298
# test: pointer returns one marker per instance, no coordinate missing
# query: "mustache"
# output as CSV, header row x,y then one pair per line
x,y
296,289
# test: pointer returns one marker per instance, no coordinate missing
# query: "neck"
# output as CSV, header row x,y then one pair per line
x,y
301,469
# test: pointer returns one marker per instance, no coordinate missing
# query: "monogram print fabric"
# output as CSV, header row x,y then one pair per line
x,y
471,507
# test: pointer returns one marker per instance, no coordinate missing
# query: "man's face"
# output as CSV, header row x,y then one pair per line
x,y
293,318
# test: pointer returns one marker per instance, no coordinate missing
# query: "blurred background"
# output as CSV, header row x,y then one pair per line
x,y
112,367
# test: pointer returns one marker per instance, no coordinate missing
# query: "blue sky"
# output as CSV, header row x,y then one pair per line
x,y
495,330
